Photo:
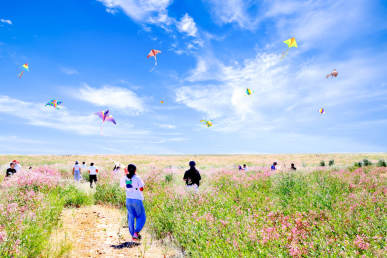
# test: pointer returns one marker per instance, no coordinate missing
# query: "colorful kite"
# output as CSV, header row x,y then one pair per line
x,y
54,103
206,122
153,53
162,101
334,73
291,43
104,115
248,91
322,111
26,68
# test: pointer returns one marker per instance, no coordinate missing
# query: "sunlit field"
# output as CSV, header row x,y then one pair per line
x,y
332,205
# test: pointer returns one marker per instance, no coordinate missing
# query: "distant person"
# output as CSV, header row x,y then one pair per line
x,y
192,176
17,165
273,167
134,187
245,167
92,174
292,167
84,165
11,170
116,168
77,171
30,168
240,168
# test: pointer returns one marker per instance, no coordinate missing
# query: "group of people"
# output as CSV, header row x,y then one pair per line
x,y
14,167
275,166
92,170
243,168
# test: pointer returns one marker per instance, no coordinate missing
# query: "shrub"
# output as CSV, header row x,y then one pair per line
x,y
358,164
331,162
322,163
381,163
169,178
73,196
366,162
111,194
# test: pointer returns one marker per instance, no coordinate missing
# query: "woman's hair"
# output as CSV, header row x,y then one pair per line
x,y
76,162
91,164
131,171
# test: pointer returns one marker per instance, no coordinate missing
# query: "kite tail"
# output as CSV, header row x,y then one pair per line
x,y
285,53
155,60
21,74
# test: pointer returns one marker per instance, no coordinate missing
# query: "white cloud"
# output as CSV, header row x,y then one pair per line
x,y
167,126
187,25
148,11
6,21
111,97
68,70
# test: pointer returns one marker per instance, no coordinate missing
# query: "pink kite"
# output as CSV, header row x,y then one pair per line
x,y
104,115
153,53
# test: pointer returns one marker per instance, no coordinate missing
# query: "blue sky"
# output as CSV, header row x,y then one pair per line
x,y
91,54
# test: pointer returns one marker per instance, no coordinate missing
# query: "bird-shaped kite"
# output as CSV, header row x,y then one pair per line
x,y
334,73
206,122
248,91
104,115
291,43
153,53
26,68
322,111
54,103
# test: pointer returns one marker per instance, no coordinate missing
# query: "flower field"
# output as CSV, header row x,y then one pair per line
x,y
337,210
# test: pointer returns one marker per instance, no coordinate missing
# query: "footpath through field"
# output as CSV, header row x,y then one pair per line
x,y
100,231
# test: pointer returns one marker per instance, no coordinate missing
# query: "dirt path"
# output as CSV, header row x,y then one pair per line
x,y
98,231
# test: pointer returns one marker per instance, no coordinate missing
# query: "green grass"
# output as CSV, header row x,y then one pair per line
x,y
112,194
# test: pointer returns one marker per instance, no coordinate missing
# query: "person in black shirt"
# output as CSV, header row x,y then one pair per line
x,y
192,176
11,170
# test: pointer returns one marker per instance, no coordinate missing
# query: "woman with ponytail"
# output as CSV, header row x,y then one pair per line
x,y
134,201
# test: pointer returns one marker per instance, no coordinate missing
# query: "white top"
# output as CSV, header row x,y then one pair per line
x,y
77,167
92,170
17,167
132,187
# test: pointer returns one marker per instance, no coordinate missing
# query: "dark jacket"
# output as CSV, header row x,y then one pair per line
x,y
192,176
10,172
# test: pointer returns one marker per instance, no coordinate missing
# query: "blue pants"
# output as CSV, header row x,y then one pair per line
x,y
136,211
77,175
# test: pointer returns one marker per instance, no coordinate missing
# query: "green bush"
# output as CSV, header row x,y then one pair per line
x,y
85,176
381,163
331,162
366,162
111,194
169,178
358,164
73,196
322,163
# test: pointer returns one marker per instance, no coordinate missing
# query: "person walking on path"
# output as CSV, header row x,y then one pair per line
x,y
292,167
273,167
77,171
92,174
134,186
192,176
11,170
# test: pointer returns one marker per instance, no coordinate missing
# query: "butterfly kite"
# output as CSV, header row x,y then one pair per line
x,y
26,68
104,115
153,53
322,111
291,43
206,122
248,91
334,73
54,103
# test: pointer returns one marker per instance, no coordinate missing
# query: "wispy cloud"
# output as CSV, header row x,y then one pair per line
x,y
68,70
167,126
187,25
111,97
6,21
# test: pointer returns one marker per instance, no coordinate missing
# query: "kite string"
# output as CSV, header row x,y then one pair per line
x,y
284,53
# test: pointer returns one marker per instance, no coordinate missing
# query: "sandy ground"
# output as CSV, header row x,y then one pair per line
x,y
99,231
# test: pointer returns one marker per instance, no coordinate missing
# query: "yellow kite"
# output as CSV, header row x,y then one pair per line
x,y
291,43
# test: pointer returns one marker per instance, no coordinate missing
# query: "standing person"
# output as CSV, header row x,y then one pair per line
x,y
84,165
292,167
134,187
192,176
92,174
273,167
77,171
245,167
17,165
240,167
11,170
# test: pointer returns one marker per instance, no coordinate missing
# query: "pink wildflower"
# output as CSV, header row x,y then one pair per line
x,y
361,243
